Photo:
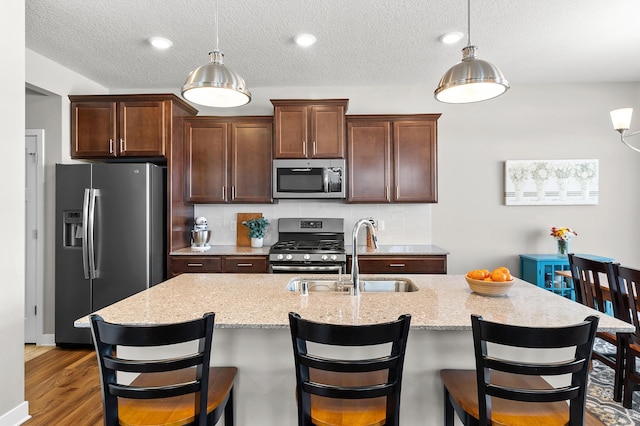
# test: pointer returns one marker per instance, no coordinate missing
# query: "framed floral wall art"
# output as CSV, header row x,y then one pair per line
x,y
550,182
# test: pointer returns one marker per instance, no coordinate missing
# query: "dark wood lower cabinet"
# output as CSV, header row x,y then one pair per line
x,y
217,264
431,264
245,264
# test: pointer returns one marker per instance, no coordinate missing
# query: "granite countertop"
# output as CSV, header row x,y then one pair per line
x,y
382,250
409,250
443,302
222,250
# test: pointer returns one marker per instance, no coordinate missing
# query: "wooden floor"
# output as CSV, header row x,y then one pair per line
x,y
63,388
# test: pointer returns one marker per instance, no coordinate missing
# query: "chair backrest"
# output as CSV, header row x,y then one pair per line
x,y
335,373
580,336
587,275
108,336
628,280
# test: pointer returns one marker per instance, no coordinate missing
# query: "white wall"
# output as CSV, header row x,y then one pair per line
x,y
13,408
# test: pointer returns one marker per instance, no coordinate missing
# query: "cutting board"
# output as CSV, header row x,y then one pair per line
x,y
242,232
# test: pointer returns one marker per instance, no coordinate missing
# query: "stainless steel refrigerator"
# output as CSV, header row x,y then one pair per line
x,y
110,238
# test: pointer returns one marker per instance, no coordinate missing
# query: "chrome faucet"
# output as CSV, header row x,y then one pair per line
x,y
355,273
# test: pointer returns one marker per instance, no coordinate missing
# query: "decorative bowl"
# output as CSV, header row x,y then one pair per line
x,y
489,288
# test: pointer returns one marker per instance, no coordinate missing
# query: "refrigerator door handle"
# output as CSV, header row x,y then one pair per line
x,y
94,193
85,232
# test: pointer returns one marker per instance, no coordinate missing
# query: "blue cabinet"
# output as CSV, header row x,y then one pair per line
x,y
540,269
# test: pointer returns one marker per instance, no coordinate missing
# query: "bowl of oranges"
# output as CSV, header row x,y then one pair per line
x,y
490,283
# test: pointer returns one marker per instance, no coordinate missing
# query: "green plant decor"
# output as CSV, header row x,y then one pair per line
x,y
257,227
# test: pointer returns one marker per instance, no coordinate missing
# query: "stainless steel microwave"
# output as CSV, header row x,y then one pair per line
x,y
314,178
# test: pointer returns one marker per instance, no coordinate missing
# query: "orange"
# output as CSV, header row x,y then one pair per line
x,y
498,275
485,272
488,279
506,272
476,274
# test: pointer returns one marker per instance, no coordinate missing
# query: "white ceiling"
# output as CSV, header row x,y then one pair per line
x,y
360,42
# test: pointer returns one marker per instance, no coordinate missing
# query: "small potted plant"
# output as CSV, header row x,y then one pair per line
x,y
257,228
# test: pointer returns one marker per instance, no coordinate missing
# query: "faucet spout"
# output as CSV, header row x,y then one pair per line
x,y
355,271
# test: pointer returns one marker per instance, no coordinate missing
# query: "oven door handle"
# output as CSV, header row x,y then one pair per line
x,y
291,268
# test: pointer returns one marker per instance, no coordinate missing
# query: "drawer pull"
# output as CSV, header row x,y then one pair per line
x,y
240,265
195,265
397,265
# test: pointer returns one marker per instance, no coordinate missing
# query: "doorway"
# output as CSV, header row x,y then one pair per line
x,y
34,235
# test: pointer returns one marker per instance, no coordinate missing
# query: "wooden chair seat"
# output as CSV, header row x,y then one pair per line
x,y
353,412
462,385
587,277
504,389
178,390
334,389
177,410
628,281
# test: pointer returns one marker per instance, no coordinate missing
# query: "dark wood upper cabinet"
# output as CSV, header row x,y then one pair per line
x,y
309,128
392,158
113,126
228,159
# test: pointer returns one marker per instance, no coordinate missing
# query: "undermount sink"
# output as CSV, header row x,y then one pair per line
x,y
367,285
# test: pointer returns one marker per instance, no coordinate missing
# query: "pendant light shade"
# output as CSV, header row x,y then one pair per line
x,y
215,85
472,80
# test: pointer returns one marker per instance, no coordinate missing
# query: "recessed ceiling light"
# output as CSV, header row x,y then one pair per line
x,y
304,40
452,37
160,42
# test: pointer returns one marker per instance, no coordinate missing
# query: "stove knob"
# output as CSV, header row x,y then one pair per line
x,y
325,257
280,257
334,257
306,257
289,257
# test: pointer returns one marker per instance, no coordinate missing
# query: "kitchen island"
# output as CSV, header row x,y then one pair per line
x,y
252,330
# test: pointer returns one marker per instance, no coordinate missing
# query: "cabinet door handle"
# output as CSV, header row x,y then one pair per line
x,y
304,148
396,192
314,148
397,265
244,265
224,193
233,193
121,145
195,265
110,146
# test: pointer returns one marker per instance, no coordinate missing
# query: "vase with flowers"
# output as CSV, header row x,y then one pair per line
x,y
563,236
257,228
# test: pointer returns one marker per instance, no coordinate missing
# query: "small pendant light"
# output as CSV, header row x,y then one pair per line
x,y
471,80
214,84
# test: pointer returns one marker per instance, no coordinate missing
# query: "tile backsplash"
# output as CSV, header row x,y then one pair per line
x,y
398,223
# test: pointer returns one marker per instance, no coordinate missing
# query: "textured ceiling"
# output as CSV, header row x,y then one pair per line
x,y
360,42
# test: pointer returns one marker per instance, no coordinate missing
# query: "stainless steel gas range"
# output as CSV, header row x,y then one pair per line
x,y
309,245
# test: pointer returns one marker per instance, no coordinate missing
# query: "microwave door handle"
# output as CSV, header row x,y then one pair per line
x,y
85,232
301,170
325,179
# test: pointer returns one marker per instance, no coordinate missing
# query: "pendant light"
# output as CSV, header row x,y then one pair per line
x,y
471,80
214,84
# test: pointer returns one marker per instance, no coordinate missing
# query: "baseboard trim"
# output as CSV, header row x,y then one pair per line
x,y
16,416
48,340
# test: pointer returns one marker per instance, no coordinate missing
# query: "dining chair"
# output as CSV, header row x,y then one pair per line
x,y
629,279
592,282
503,391
178,390
348,374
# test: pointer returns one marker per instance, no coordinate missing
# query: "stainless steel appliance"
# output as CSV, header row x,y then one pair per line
x,y
309,245
315,178
200,235
110,238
